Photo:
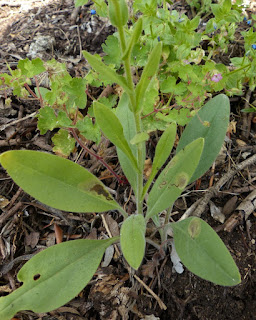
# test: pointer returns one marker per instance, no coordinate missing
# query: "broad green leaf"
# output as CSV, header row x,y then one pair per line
x,y
30,68
193,24
105,71
140,137
151,98
76,92
203,252
43,91
148,72
216,113
57,182
126,117
63,120
132,239
134,39
112,128
89,130
54,276
64,143
163,150
113,51
47,119
174,178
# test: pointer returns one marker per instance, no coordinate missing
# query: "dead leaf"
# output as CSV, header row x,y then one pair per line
x,y
112,225
58,233
32,239
147,168
232,127
92,235
3,202
230,206
241,143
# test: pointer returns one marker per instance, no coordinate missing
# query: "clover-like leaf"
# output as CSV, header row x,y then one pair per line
x,y
31,68
64,143
47,119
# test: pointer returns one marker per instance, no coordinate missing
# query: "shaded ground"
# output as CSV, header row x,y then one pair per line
x,y
27,226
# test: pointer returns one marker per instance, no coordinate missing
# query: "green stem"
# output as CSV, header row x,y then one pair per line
x,y
127,68
239,69
132,96
140,160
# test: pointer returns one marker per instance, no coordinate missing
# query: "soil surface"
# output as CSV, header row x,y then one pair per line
x,y
28,226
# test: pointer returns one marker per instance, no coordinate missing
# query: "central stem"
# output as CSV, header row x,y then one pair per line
x,y
132,96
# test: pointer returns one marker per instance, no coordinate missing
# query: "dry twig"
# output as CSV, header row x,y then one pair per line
x,y
160,302
200,206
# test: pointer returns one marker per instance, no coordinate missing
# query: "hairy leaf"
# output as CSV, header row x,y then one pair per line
x,y
54,276
163,150
57,182
134,38
203,252
132,239
105,71
140,137
211,123
126,117
147,74
174,178
112,128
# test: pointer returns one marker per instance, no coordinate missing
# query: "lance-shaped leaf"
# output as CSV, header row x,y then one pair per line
x,y
105,71
134,38
57,182
118,12
203,252
132,239
174,178
126,117
147,74
54,276
163,150
210,123
113,130
140,137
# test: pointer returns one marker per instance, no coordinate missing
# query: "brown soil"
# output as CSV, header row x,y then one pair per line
x,y
27,227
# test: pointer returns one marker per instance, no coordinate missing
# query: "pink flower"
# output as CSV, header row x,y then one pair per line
x,y
186,61
216,77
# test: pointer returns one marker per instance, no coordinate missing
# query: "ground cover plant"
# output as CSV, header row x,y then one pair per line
x,y
72,188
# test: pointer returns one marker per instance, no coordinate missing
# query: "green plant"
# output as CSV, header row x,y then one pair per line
x,y
69,187
188,74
